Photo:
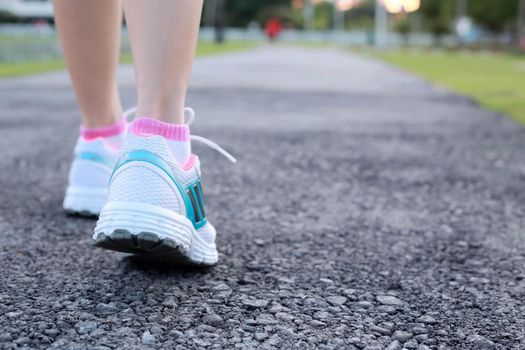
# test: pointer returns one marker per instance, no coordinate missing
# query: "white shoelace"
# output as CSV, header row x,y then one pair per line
x,y
189,116
129,112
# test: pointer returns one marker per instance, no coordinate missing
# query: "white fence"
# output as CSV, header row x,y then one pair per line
x,y
39,42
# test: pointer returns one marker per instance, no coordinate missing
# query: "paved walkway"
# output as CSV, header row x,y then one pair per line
x,y
369,209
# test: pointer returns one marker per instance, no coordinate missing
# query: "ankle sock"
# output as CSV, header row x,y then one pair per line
x,y
113,134
177,136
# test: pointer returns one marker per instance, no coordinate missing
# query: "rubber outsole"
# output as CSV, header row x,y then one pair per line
x,y
146,245
81,213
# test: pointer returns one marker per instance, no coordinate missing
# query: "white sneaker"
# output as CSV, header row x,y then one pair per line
x,y
89,176
155,206
91,170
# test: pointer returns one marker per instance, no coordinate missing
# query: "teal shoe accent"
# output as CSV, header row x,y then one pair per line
x,y
194,192
94,157
193,201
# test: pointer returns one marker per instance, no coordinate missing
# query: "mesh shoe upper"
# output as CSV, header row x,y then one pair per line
x,y
146,172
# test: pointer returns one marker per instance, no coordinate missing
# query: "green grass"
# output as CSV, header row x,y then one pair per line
x,y
207,49
26,39
26,68
496,81
10,69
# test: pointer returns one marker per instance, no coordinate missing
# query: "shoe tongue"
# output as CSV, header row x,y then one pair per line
x,y
115,141
180,150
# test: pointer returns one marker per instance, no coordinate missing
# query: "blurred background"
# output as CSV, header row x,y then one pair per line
x,y
474,47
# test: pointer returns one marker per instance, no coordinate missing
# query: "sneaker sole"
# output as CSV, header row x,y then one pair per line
x,y
152,233
145,244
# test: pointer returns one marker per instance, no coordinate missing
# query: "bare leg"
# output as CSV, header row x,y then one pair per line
x,y
90,35
163,37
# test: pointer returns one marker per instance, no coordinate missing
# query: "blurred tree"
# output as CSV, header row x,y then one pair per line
x,y
403,27
323,16
289,16
240,13
438,16
495,16
218,20
520,26
362,16
7,17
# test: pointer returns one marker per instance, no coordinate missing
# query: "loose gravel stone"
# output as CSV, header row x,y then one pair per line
x,y
389,300
170,302
276,307
5,337
326,281
401,336
260,336
418,330
395,345
480,343
274,340
316,323
148,338
258,242
374,346
284,316
427,319
365,304
213,320
221,291
106,309
410,345
357,342
84,327
421,338
265,319
381,330
336,300
255,303
321,315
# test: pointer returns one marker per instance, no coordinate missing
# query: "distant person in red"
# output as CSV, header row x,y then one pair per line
x,y
273,28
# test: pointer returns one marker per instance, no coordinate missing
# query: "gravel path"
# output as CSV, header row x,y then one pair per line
x,y
368,210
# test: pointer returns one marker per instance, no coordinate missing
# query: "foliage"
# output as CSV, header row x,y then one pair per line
x,y
492,15
438,16
403,27
284,13
323,16
6,17
240,13
361,17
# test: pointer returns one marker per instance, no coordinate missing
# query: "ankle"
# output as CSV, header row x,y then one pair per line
x,y
165,109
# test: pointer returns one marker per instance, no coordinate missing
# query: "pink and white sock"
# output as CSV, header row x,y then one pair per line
x,y
177,136
113,134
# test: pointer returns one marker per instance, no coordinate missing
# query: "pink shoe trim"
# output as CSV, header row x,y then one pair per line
x,y
89,134
149,126
190,163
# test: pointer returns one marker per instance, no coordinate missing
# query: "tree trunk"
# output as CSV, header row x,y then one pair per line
x,y
219,21
520,26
